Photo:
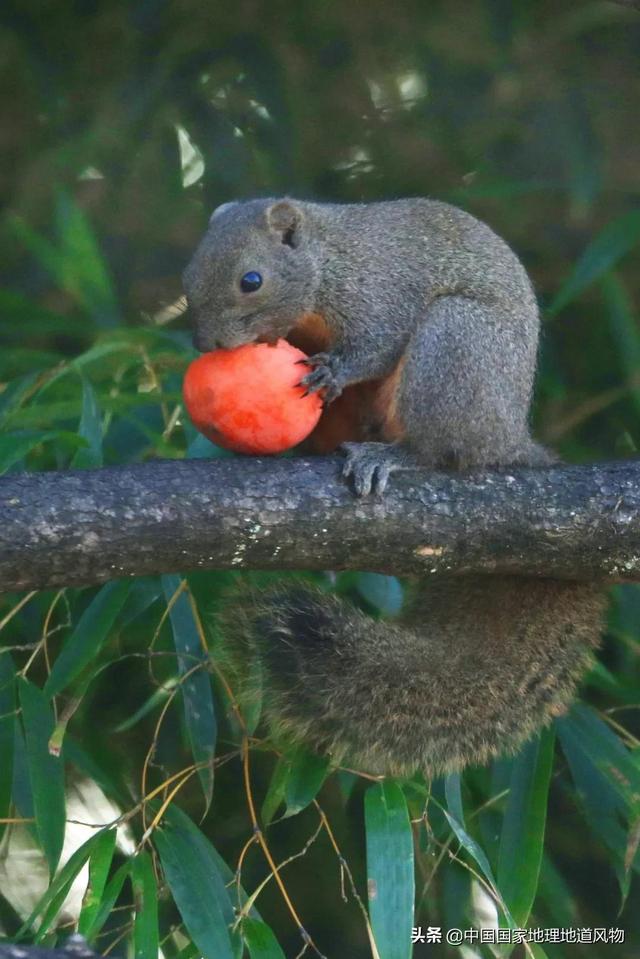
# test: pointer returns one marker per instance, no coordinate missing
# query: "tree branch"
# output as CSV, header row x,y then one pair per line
x,y
84,527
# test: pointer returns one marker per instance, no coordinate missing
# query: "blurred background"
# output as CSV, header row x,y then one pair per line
x,y
123,125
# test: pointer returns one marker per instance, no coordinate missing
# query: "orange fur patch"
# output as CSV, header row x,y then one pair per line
x,y
365,411
311,334
386,405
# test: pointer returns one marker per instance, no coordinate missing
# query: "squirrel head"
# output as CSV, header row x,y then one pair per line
x,y
253,274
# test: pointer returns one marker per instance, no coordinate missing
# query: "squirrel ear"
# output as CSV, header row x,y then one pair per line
x,y
285,218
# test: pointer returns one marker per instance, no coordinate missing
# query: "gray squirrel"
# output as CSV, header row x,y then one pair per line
x,y
421,327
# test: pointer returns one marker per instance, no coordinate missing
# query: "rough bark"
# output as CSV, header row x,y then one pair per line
x,y
83,527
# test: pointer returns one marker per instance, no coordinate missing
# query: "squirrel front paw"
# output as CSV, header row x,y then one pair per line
x,y
324,376
371,465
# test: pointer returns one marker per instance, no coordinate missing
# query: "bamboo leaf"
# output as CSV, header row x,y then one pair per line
x,y
275,792
522,838
86,640
390,871
15,446
50,903
7,733
108,901
99,866
616,240
305,775
90,429
197,693
196,885
607,781
260,940
46,772
145,897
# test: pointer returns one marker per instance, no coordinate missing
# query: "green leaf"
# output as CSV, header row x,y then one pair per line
x,y
305,775
260,940
478,854
7,733
455,818
106,771
90,429
522,838
275,792
383,592
390,871
175,816
22,795
85,642
623,323
51,902
615,241
109,899
15,446
160,695
75,261
453,794
15,393
196,885
145,897
46,772
607,781
84,267
607,752
144,593
197,693
99,866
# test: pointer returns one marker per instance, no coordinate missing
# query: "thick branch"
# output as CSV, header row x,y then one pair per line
x,y
81,527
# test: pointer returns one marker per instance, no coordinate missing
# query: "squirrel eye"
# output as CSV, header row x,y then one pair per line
x,y
250,281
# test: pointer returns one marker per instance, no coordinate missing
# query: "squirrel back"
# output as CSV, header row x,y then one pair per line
x,y
422,327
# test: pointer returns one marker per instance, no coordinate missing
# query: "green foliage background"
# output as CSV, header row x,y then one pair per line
x,y
124,125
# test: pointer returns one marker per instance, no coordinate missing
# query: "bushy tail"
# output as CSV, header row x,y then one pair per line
x,y
472,669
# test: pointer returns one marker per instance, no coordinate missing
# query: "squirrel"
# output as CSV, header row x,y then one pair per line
x,y
422,328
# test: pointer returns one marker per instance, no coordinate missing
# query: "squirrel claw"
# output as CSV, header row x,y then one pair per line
x,y
321,377
370,465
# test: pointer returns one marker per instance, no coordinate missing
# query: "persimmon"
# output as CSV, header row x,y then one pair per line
x,y
249,400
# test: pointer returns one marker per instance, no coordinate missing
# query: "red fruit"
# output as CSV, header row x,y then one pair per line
x,y
248,399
